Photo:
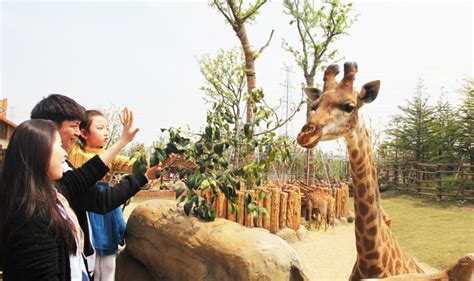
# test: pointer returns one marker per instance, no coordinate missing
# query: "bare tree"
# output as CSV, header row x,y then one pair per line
x,y
318,26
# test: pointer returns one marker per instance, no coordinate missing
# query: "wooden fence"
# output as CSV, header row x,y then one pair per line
x,y
283,205
455,181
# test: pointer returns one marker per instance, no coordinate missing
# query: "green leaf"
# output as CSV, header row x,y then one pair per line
x,y
247,131
204,184
262,194
250,207
247,199
208,132
180,191
232,208
219,148
187,207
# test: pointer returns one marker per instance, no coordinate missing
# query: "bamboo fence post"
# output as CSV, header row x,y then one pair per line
x,y
291,216
258,191
249,215
267,204
231,216
275,210
221,205
283,208
298,208
241,207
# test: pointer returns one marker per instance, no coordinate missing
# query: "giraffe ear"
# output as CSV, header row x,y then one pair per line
x,y
369,91
312,93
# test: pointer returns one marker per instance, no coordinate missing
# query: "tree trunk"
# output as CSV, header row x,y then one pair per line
x,y
251,79
249,68
310,153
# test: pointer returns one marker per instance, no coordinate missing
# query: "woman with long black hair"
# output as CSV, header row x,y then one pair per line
x,y
40,237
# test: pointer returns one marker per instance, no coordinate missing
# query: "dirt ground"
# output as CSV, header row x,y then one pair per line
x,y
331,255
327,255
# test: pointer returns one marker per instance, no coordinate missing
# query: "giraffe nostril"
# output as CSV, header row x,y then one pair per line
x,y
308,128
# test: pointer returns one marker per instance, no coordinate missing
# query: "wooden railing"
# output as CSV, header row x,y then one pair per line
x,y
455,181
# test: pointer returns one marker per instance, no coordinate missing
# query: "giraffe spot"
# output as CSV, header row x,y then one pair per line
x,y
390,265
363,208
368,244
363,267
393,253
361,189
398,267
372,231
359,248
359,161
354,154
370,219
397,251
361,174
370,199
384,257
374,271
359,225
372,256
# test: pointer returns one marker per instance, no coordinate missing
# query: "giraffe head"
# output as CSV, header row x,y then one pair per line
x,y
334,111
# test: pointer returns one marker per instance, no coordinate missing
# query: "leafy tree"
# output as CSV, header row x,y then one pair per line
x,y
412,131
237,16
225,89
447,130
112,114
318,27
466,112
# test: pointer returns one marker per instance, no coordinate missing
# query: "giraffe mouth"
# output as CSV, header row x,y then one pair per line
x,y
309,136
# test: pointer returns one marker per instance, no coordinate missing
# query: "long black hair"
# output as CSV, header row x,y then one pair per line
x,y
26,190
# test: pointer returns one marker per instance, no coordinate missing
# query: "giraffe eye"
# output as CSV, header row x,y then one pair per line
x,y
314,107
348,107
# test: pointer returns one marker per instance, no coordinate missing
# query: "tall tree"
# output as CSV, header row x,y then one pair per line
x,y
447,130
466,113
412,130
224,87
237,16
318,26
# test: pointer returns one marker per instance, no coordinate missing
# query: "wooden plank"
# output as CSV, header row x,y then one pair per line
x,y
267,204
240,206
283,208
274,210
248,215
221,205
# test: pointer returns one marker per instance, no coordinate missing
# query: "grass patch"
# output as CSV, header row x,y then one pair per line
x,y
436,233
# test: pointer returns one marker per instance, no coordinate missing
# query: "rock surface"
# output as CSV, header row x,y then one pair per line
x,y
172,246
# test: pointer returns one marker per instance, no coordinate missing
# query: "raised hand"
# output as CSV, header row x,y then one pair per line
x,y
129,131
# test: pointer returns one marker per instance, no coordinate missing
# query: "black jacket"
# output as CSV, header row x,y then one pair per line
x,y
32,253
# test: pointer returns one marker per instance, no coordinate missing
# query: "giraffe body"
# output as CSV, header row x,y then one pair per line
x,y
317,201
334,114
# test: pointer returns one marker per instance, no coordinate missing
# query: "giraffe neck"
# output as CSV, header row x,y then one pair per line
x,y
378,253
368,216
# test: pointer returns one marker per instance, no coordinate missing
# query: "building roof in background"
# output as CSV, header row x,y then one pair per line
x,y
8,122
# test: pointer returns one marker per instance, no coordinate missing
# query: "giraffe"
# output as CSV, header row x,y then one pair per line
x,y
317,201
335,113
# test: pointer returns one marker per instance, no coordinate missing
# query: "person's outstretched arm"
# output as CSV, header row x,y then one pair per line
x,y
128,134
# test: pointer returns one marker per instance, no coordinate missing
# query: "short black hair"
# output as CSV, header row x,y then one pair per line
x,y
58,108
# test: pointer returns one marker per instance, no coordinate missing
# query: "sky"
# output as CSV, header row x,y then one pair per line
x,y
143,54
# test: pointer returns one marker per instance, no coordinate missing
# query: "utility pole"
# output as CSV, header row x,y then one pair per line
x,y
287,88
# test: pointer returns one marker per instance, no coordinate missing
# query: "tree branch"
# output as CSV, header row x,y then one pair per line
x,y
264,46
